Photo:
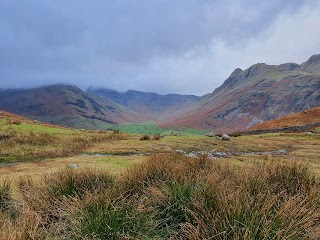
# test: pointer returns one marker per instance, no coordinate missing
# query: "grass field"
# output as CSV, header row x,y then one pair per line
x,y
252,187
150,128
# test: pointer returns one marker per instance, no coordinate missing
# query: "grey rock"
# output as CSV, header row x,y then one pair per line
x,y
209,134
180,151
282,151
193,155
225,137
73,165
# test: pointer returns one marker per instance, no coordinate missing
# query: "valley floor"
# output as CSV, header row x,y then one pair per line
x,y
126,150
58,183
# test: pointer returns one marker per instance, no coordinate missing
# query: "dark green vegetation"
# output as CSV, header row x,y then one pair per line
x,y
169,196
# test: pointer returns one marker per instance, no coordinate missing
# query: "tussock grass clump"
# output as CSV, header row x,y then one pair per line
x,y
68,183
47,199
8,209
108,218
6,201
171,196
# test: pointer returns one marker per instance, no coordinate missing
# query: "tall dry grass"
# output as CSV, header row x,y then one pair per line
x,y
170,197
19,145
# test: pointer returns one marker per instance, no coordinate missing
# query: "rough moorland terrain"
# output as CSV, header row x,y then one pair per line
x,y
60,183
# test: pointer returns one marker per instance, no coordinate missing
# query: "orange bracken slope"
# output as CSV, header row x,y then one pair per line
x,y
309,116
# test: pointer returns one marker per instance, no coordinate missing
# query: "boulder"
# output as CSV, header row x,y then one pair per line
x,y
209,134
225,137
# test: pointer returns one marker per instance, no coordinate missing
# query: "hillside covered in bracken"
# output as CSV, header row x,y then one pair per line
x,y
310,116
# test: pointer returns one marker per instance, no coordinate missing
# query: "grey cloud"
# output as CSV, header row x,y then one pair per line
x,y
154,45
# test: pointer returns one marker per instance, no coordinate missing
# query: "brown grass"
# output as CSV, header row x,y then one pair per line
x,y
21,146
36,169
169,197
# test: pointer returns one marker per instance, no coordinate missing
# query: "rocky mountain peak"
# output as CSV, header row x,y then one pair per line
x,y
255,69
235,76
313,60
236,73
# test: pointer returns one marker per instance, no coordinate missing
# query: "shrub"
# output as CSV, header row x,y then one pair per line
x,y
156,137
145,137
235,134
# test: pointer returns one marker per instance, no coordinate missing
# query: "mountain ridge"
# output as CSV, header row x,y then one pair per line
x,y
153,106
249,96
61,104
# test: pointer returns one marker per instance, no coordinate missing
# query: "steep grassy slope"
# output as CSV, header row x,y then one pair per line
x,y
261,92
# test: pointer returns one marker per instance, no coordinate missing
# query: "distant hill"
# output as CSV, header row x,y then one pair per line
x,y
153,106
65,105
309,116
98,108
260,93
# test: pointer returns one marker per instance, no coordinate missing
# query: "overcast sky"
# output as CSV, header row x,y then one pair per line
x,y
181,46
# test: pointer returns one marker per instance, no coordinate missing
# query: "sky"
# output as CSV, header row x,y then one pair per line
x,y
163,46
